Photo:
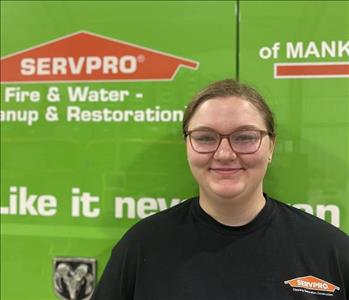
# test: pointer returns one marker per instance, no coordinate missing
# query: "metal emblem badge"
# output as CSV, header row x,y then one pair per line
x,y
74,277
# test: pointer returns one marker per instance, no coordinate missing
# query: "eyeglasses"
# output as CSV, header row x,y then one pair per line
x,y
241,142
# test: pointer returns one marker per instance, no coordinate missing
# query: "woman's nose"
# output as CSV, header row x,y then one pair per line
x,y
224,151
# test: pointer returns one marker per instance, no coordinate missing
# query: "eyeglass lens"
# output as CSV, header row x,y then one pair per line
x,y
245,141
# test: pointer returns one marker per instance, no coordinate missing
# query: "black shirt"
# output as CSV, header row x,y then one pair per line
x,y
184,254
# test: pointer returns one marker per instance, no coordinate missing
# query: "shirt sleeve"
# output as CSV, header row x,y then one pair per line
x,y
119,276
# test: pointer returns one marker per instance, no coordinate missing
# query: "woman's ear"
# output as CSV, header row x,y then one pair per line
x,y
272,147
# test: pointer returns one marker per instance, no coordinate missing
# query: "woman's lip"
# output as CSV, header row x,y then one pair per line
x,y
225,170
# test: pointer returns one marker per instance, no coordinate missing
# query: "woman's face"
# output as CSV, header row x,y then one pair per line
x,y
225,174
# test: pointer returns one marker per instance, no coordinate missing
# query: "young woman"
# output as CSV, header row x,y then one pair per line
x,y
232,241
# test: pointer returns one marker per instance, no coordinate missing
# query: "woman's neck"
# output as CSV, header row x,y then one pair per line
x,y
236,211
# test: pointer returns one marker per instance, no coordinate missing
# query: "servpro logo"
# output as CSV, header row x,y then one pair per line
x,y
312,285
85,56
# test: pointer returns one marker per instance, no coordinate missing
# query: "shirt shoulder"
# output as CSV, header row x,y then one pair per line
x,y
308,226
164,223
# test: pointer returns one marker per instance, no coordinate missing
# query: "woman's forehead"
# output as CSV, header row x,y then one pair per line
x,y
227,113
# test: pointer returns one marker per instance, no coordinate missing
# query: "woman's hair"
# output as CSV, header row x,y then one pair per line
x,y
230,88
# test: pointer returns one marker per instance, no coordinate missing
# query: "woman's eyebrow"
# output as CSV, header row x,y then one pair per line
x,y
243,127
202,128
247,127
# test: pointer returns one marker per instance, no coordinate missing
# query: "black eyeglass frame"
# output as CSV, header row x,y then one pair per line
x,y
262,133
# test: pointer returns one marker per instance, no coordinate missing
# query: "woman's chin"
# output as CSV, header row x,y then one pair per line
x,y
226,191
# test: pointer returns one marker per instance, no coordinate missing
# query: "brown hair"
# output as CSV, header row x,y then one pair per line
x,y
228,88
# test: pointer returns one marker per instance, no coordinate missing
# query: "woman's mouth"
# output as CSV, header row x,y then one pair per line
x,y
225,171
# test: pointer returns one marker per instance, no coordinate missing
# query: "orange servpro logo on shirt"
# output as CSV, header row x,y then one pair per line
x,y
311,284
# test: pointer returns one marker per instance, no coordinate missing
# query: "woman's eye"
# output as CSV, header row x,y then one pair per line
x,y
245,138
205,138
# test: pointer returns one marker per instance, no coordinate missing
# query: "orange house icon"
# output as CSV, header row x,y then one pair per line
x,y
312,283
